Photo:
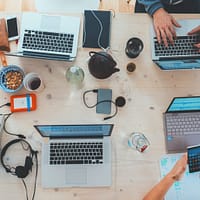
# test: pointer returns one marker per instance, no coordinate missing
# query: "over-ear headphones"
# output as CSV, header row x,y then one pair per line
x,y
19,171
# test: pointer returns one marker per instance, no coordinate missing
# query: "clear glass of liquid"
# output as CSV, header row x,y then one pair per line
x,y
138,141
75,75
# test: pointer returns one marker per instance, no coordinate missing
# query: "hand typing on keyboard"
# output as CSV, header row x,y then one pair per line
x,y
164,25
196,31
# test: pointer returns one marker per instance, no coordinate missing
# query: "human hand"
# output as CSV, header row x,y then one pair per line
x,y
164,25
195,31
179,168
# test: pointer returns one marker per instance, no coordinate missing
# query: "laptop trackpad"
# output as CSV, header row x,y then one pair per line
x,y
76,175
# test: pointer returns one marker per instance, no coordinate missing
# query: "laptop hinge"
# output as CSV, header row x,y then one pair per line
x,y
78,137
49,56
179,58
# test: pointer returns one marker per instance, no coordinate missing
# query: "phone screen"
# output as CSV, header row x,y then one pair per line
x,y
12,27
194,158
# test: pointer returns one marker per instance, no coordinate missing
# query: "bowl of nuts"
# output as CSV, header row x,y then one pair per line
x,y
11,78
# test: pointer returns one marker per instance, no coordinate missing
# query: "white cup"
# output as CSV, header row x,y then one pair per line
x,y
33,82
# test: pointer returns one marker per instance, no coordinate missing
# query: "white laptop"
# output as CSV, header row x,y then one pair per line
x,y
181,55
76,155
49,36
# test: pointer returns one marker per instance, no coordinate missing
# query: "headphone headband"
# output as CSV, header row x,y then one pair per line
x,y
5,148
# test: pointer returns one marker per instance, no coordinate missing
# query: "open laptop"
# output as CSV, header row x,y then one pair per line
x,y
66,6
182,124
181,55
49,36
76,155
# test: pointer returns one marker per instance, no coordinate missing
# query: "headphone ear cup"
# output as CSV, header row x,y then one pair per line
x,y
21,172
28,163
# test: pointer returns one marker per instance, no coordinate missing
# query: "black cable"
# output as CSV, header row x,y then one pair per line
x,y
36,174
94,105
25,188
6,104
13,134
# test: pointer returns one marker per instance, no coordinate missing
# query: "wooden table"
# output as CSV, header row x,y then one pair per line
x,y
148,91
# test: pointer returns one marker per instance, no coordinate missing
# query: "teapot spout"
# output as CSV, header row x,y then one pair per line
x,y
116,70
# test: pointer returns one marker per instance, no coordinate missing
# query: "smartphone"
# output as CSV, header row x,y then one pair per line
x,y
12,28
194,158
104,95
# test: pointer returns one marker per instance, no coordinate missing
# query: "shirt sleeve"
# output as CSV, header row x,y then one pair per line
x,y
151,5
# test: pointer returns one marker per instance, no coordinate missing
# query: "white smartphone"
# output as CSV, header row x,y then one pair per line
x,y
12,28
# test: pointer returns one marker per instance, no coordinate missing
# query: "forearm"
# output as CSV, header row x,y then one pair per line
x,y
159,190
151,6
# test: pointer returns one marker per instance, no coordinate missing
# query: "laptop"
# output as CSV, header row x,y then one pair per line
x,y
49,36
65,6
182,55
76,155
182,124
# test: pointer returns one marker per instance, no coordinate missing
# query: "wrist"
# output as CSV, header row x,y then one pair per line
x,y
173,177
158,12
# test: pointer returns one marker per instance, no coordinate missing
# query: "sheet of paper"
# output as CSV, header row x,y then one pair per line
x,y
187,188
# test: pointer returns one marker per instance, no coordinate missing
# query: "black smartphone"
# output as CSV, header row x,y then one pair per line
x,y
104,98
194,158
12,28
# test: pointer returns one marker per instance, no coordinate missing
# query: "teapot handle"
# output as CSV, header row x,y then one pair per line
x,y
91,53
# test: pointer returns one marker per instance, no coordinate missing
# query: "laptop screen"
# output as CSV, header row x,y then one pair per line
x,y
80,130
184,104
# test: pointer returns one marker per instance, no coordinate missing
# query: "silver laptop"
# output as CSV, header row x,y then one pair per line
x,y
182,124
66,6
49,36
181,55
76,155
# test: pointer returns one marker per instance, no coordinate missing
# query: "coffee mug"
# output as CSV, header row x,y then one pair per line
x,y
33,82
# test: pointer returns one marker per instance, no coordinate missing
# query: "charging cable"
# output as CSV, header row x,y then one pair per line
x,y
94,105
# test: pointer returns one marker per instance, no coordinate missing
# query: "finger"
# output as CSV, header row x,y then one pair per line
x,y
169,36
195,30
173,32
164,37
175,23
158,35
197,45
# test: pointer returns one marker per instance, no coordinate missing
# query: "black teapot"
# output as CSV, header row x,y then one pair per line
x,y
101,64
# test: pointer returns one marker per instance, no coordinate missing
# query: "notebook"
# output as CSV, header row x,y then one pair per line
x,y
181,55
49,36
96,29
182,124
76,155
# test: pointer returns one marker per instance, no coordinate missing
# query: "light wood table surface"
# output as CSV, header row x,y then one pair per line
x,y
148,91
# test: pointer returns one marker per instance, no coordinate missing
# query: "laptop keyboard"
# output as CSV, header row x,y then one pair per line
x,y
76,153
183,46
48,41
183,124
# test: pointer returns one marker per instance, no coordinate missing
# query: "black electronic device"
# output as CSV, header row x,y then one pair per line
x,y
193,158
12,28
104,98
96,29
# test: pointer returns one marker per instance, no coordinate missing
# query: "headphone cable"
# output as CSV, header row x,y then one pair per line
x,y
13,134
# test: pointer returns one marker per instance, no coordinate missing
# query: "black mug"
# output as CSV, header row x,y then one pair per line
x,y
134,46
